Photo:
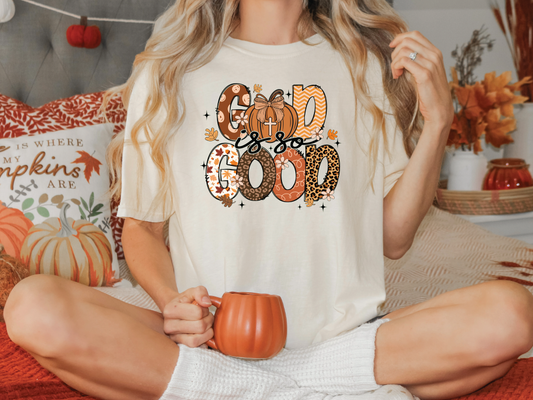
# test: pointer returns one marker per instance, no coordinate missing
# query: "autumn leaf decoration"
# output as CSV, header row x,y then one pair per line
x,y
91,164
481,108
211,134
226,200
485,108
309,202
332,135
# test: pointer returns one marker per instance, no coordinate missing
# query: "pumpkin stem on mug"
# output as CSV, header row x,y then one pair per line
x,y
66,230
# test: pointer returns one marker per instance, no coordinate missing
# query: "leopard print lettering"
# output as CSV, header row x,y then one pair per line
x,y
313,158
269,175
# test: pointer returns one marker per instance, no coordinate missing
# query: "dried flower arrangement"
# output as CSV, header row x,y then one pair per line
x,y
469,56
480,105
517,26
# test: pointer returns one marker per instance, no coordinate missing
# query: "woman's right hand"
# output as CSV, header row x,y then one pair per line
x,y
189,323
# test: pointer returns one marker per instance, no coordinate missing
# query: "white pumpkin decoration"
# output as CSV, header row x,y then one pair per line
x,y
7,10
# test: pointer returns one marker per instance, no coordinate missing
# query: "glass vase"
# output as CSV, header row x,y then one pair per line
x,y
507,173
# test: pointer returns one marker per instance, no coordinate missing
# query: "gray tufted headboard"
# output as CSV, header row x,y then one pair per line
x,y
37,65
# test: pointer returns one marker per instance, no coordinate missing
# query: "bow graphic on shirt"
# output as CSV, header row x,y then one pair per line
x,y
276,103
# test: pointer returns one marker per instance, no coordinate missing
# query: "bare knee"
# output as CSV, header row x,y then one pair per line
x,y
37,315
507,328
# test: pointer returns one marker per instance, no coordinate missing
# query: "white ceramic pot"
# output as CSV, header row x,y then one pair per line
x,y
522,147
445,167
467,170
490,152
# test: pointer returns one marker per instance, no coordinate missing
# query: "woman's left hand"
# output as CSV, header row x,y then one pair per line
x,y
428,70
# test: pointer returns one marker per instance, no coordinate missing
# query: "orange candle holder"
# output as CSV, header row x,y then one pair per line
x,y
507,173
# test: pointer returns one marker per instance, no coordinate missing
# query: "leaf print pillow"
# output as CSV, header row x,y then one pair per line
x,y
54,212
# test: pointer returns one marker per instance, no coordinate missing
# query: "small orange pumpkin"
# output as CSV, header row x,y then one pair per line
x,y
76,250
249,325
11,272
82,35
270,116
14,227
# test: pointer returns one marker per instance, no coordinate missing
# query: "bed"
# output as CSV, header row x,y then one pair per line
x,y
45,80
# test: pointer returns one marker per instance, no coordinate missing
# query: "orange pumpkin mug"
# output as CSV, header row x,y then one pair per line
x,y
248,325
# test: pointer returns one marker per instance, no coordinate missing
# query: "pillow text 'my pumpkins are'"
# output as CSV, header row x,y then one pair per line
x,y
54,212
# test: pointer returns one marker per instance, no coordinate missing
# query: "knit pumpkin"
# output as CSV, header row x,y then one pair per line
x,y
82,35
14,227
76,250
270,116
12,271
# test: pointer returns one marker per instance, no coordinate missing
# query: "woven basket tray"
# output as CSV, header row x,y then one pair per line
x,y
484,202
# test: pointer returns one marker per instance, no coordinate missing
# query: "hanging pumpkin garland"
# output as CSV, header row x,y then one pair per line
x,y
82,35
7,10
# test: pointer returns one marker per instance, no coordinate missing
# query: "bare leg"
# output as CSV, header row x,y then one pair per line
x,y
476,379
456,342
93,342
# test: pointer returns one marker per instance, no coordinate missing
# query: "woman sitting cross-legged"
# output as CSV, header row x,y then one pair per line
x,y
278,138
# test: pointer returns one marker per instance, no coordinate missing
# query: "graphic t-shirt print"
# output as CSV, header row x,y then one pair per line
x,y
274,133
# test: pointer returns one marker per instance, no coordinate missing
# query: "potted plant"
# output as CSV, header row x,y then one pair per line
x,y
516,23
482,108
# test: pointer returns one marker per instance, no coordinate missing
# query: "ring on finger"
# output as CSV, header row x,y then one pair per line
x,y
413,55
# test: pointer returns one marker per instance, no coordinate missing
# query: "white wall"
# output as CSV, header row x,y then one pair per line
x,y
447,23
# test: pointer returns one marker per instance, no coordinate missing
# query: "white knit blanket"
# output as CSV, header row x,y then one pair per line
x,y
448,253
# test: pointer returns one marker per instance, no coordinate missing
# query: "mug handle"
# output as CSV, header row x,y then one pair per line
x,y
216,301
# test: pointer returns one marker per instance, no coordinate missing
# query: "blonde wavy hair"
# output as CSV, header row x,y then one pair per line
x,y
190,33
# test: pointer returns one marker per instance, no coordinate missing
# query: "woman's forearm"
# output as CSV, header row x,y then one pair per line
x,y
407,203
148,259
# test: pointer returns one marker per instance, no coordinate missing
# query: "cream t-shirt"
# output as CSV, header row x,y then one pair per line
x,y
270,183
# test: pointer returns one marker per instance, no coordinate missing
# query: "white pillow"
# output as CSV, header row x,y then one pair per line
x,y
58,181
